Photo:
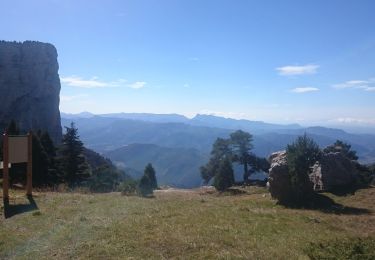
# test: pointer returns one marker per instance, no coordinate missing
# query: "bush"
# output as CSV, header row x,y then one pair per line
x,y
348,248
224,177
128,187
104,179
301,155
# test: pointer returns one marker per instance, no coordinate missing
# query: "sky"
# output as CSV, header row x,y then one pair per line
x,y
308,62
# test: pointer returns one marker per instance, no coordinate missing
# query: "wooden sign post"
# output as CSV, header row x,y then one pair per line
x,y
17,149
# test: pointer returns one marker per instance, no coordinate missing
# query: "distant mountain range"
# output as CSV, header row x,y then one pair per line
x,y
177,145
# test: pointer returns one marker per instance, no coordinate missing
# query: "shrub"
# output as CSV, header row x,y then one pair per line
x,y
224,177
301,155
128,187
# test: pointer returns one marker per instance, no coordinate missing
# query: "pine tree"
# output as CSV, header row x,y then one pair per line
x,y
50,150
147,183
73,164
220,150
150,173
241,146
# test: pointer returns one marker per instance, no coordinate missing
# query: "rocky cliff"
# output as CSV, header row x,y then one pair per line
x,y
30,87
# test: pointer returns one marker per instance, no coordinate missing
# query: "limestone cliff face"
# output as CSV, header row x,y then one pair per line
x,y
30,87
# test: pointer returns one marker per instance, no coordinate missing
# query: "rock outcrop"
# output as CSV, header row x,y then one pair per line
x,y
333,170
278,179
30,87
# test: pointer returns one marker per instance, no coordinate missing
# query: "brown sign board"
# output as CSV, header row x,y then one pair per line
x,y
18,149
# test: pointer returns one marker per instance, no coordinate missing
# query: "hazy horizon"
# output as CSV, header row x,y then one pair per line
x,y
285,62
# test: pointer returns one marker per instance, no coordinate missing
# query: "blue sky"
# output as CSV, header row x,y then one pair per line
x,y
310,62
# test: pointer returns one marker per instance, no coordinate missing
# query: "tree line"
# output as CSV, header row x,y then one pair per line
x,y
75,166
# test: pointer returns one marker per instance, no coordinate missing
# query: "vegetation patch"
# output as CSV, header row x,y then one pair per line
x,y
347,248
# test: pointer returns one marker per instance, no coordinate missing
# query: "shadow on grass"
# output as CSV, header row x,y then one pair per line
x,y
327,205
233,191
12,210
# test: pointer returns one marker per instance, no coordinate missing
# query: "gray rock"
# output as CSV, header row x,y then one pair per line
x,y
333,171
278,179
30,87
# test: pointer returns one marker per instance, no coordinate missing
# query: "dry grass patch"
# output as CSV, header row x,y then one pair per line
x,y
177,224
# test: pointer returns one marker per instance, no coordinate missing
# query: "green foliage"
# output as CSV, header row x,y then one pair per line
x,y
150,173
148,182
73,164
128,187
40,162
301,155
224,177
365,176
348,248
241,146
220,150
237,148
343,148
105,178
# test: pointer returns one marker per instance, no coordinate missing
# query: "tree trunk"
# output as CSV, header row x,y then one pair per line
x,y
245,173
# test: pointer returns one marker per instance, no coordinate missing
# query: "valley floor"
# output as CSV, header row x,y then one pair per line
x,y
194,224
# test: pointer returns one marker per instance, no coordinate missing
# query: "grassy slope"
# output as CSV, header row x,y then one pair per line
x,y
175,225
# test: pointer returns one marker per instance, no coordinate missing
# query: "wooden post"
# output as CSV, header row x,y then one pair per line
x,y
5,167
29,174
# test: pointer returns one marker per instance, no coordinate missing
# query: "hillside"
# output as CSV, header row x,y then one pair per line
x,y
104,133
173,166
186,223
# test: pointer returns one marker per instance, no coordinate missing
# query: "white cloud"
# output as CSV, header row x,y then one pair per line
x,y
297,70
304,89
64,98
137,85
94,82
370,89
352,120
366,85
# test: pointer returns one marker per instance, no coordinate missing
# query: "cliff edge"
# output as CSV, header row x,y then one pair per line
x,y
30,87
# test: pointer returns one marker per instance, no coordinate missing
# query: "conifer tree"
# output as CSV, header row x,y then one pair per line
x,y
73,164
241,146
148,181
150,173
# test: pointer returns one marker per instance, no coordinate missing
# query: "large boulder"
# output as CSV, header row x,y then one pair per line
x,y
278,179
333,171
30,87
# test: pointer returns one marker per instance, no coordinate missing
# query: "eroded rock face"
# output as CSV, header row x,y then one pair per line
x,y
333,171
278,179
30,87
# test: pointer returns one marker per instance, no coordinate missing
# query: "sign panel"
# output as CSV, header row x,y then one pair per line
x,y
18,149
